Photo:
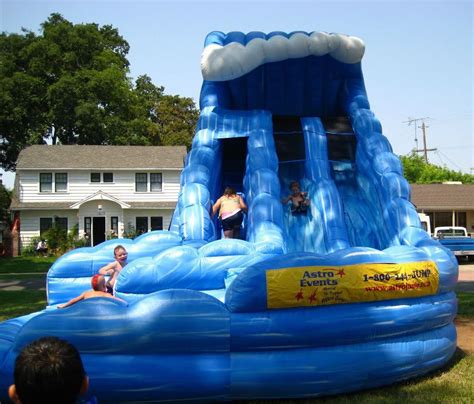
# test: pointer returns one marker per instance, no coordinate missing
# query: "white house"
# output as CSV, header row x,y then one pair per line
x,y
104,189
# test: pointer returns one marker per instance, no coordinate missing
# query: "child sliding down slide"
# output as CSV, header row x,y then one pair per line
x,y
299,199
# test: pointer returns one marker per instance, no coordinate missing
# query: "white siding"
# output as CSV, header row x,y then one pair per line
x,y
80,187
30,222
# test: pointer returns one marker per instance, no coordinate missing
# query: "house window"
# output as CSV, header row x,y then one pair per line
x,y
156,223
443,219
141,181
114,224
155,182
46,182
61,223
95,177
87,225
461,219
45,224
60,182
108,177
141,224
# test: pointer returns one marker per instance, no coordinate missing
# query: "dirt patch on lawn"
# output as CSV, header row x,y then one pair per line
x,y
465,328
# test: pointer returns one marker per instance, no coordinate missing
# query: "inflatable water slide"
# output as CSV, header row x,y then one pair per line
x,y
351,295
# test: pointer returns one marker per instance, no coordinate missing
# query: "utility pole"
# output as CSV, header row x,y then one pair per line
x,y
423,127
425,150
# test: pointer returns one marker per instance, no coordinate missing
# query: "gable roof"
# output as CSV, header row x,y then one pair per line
x,y
100,157
443,196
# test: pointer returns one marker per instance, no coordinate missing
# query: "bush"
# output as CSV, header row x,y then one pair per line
x,y
30,249
130,232
59,240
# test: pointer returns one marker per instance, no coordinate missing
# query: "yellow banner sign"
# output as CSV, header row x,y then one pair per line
x,y
324,285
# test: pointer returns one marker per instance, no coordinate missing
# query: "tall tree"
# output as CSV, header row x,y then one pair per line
x,y
70,85
5,201
417,171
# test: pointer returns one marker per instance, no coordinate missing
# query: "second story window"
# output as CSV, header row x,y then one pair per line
x,y
60,182
141,182
46,182
155,182
102,177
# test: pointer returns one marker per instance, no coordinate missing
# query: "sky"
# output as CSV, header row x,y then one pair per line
x,y
418,60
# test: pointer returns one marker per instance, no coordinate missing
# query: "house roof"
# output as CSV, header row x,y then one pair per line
x,y
101,157
443,196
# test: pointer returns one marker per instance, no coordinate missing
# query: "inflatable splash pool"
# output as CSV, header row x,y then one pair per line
x,y
351,295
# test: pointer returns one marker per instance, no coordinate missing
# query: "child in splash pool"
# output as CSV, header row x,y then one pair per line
x,y
99,289
299,200
113,269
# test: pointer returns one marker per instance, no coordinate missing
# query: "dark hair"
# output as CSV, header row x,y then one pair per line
x,y
49,370
229,191
118,248
294,183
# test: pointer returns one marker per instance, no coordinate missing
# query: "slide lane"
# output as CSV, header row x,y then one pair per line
x,y
362,212
327,211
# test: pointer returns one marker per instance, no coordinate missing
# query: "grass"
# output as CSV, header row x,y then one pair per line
x,y
20,265
19,303
465,304
451,384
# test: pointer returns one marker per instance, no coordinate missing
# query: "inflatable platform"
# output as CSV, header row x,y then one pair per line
x,y
351,295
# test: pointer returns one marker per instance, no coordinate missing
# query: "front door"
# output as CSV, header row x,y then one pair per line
x,y
98,230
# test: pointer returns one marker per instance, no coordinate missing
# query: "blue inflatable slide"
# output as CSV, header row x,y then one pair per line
x,y
350,295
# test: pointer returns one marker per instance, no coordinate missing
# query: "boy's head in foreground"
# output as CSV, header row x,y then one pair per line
x,y
49,370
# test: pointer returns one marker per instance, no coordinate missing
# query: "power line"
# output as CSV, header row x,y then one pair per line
x,y
423,127
451,161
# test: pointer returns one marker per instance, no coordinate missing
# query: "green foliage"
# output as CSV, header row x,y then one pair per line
x,y
130,231
69,84
30,249
416,171
57,240
5,201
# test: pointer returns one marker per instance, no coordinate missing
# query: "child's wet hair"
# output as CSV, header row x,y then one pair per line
x,y
96,281
294,184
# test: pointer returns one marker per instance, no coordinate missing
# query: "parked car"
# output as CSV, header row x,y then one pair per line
x,y
457,239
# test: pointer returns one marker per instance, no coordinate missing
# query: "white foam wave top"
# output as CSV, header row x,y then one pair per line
x,y
221,63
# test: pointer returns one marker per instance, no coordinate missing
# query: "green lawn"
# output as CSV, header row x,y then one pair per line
x,y
26,264
452,384
14,304
465,304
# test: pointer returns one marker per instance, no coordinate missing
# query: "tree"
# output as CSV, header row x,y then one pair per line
x,y
5,201
69,85
417,171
